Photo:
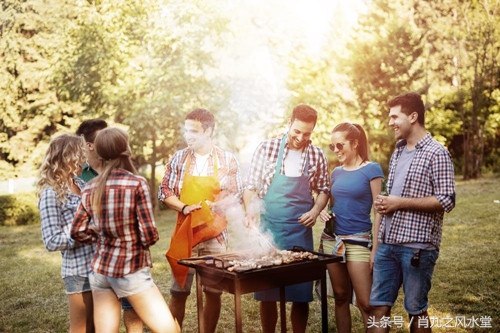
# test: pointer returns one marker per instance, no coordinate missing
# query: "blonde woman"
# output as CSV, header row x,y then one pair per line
x,y
59,197
119,202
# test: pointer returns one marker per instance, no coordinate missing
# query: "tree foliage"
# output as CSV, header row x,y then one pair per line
x,y
31,112
143,64
447,50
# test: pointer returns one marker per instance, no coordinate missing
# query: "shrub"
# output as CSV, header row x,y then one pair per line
x,y
18,209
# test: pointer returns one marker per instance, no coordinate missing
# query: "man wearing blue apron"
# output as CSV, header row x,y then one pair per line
x,y
284,174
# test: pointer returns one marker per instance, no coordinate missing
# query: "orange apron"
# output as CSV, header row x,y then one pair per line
x,y
198,226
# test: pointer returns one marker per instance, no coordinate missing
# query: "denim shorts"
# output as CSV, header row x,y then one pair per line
x,y
126,304
392,268
353,252
76,284
124,286
211,246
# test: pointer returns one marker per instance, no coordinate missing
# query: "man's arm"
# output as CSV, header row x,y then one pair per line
x,y
252,205
308,219
168,191
391,203
176,204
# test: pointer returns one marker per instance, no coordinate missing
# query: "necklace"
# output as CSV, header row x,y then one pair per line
x,y
358,163
201,171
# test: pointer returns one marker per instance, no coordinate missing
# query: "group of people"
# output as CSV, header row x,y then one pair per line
x,y
97,210
106,226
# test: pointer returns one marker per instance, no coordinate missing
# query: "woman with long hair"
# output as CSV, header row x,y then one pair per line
x,y
117,213
354,186
59,196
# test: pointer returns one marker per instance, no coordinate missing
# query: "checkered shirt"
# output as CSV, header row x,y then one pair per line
x,y
430,174
126,225
264,161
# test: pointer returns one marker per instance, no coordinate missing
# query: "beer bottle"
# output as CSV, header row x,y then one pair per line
x,y
384,188
330,224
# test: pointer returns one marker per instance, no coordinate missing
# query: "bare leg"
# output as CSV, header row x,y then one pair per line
x,y
107,311
377,313
81,319
211,311
342,291
151,307
361,279
268,316
418,323
133,324
177,307
299,316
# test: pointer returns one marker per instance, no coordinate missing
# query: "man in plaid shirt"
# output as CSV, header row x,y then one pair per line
x,y
285,172
201,181
421,188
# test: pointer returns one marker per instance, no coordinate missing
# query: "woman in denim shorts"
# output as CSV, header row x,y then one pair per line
x,y
117,213
59,196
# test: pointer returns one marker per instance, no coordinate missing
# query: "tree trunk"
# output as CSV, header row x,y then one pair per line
x,y
152,181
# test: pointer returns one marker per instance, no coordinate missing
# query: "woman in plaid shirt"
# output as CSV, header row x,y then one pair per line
x,y
119,203
59,192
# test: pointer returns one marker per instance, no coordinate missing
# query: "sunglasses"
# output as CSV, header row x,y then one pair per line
x,y
338,145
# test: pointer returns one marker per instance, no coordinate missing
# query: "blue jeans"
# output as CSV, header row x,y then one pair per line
x,y
393,268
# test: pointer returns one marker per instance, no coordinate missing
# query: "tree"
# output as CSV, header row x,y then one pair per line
x,y
30,36
384,60
143,63
462,71
360,71
476,76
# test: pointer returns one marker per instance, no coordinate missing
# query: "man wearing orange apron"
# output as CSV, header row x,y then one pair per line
x,y
195,180
284,174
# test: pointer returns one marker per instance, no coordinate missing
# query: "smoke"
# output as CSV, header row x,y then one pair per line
x,y
242,238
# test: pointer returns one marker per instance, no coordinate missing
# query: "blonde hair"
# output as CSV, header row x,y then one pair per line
x,y
112,146
63,159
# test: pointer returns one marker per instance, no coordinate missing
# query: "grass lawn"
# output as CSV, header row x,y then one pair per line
x,y
465,288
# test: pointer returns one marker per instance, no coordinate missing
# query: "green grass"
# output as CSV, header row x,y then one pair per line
x,y
466,280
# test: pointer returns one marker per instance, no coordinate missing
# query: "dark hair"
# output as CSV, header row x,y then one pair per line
x,y
112,145
354,132
410,102
304,113
205,117
89,127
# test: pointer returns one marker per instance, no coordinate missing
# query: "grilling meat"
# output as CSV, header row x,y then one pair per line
x,y
278,257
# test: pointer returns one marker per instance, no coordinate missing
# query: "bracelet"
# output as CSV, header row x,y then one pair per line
x,y
182,209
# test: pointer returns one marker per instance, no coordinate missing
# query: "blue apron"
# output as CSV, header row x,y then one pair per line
x,y
285,201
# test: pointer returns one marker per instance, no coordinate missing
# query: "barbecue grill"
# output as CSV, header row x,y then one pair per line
x,y
213,272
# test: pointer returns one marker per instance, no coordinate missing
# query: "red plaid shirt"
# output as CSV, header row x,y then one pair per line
x,y
127,228
229,173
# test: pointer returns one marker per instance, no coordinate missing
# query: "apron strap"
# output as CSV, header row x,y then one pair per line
x,y
279,162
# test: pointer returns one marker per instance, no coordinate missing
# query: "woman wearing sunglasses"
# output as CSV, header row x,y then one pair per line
x,y
354,186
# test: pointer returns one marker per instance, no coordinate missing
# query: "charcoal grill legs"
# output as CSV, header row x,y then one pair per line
x,y
237,308
199,302
324,305
237,304
282,310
